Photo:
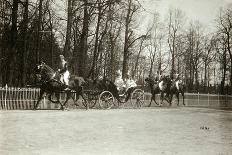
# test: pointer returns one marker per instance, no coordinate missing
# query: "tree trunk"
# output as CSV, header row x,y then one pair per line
x,y
137,59
95,51
126,43
12,48
67,45
82,52
24,46
38,41
224,72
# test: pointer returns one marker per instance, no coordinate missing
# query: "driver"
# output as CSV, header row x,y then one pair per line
x,y
63,70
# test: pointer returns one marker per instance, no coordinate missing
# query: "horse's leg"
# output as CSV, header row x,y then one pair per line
x,y
155,100
75,99
152,98
50,98
161,98
67,98
170,100
39,99
177,96
183,97
58,101
150,101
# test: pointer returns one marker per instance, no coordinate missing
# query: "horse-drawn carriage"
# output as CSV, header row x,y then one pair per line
x,y
103,92
105,95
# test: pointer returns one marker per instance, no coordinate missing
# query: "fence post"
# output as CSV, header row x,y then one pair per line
x,y
44,100
5,104
208,99
198,99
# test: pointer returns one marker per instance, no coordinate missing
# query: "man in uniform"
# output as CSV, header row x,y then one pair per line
x,y
63,70
177,81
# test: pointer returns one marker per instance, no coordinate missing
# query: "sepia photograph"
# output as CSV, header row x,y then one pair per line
x,y
115,77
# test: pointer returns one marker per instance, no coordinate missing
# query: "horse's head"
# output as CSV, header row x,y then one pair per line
x,y
45,72
167,80
149,80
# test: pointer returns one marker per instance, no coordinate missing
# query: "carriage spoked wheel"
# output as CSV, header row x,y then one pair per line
x,y
106,100
137,98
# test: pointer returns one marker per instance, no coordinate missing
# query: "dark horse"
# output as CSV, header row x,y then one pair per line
x,y
161,87
50,84
176,88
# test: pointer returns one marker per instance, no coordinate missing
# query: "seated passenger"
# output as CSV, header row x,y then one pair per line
x,y
130,83
120,84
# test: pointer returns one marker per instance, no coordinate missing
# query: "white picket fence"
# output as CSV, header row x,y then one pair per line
x,y
201,100
12,98
18,98
25,98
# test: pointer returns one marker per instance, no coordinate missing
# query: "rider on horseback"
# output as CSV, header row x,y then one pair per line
x,y
177,80
63,70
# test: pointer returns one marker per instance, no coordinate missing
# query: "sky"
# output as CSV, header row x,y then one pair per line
x,y
205,11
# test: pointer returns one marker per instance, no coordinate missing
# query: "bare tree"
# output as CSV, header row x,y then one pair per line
x,y
225,28
174,25
128,41
67,45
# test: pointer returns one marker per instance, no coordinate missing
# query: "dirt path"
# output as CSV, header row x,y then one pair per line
x,y
121,131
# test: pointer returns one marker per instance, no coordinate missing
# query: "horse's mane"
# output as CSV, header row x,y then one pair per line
x,y
49,68
47,72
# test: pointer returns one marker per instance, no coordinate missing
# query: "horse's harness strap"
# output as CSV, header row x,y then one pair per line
x,y
52,79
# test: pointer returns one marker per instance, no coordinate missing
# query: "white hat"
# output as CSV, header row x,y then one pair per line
x,y
118,72
61,56
128,73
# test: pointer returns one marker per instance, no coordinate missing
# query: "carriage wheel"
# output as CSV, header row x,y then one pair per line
x,y
137,98
106,100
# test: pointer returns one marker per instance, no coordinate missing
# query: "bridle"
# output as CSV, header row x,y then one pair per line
x,y
42,69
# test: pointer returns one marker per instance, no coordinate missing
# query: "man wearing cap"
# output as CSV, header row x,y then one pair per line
x,y
63,70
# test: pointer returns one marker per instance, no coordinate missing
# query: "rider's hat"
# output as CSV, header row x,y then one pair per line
x,y
62,56
118,73
176,75
128,74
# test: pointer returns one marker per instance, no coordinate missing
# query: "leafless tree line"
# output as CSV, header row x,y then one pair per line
x,y
100,37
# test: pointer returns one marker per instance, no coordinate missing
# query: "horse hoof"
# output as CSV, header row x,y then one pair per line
x,y
36,108
62,108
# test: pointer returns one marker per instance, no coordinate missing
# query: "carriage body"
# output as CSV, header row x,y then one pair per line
x,y
132,97
103,94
